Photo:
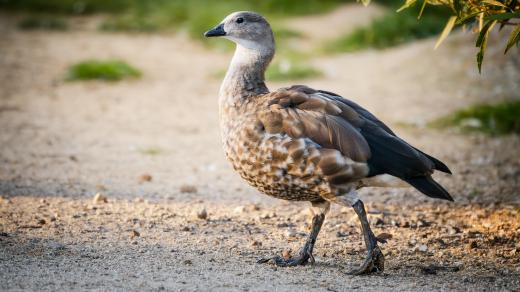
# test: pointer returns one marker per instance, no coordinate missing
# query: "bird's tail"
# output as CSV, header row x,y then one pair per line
x,y
429,187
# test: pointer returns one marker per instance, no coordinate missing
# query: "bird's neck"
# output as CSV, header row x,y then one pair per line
x,y
245,76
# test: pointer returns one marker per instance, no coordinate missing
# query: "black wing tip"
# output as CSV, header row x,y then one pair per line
x,y
445,170
440,166
429,187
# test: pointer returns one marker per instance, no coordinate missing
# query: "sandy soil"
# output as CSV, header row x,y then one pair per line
x,y
64,142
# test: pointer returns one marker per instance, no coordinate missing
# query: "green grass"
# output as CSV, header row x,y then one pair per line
x,y
65,6
281,7
392,29
43,23
110,70
497,119
284,33
128,23
389,30
195,16
152,151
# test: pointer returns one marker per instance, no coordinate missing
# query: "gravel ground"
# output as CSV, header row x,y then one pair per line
x,y
152,147
64,244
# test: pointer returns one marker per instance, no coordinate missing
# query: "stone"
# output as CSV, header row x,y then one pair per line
x,y
290,233
202,214
422,248
100,198
145,177
189,189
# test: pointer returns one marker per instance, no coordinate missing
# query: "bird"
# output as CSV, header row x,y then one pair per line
x,y
303,144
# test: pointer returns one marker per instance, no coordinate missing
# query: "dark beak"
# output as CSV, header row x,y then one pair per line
x,y
215,32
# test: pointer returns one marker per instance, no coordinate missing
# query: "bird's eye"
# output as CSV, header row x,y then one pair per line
x,y
240,20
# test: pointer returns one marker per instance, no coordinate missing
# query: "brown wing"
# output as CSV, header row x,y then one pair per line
x,y
369,138
329,124
340,151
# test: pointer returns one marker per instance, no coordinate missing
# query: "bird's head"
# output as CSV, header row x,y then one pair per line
x,y
247,29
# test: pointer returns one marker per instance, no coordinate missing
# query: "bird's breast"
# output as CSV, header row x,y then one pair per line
x,y
276,164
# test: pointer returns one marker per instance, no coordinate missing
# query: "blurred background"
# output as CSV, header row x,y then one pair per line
x,y
96,93
119,98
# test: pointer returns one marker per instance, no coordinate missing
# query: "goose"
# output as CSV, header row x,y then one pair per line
x,y
302,144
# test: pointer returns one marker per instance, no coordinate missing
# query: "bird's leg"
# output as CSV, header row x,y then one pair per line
x,y
319,209
375,261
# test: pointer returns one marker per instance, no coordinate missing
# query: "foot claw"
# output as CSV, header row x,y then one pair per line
x,y
263,260
375,262
311,258
300,260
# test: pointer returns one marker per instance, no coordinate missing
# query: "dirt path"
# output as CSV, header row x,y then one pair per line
x,y
64,142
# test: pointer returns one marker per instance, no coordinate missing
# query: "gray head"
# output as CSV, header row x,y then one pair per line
x,y
247,29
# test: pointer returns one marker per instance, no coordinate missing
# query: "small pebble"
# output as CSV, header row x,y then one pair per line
x,y
286,254
341,234
267,215
290,233
379,221
190,189
239,209
145,178
202,214
100,198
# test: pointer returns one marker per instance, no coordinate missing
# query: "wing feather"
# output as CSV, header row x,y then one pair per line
x,y
348,134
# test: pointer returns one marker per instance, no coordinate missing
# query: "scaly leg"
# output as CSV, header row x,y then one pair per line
x,y
319,209
375,261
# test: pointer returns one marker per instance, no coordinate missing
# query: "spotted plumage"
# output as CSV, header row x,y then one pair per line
x,y
303,144
269,147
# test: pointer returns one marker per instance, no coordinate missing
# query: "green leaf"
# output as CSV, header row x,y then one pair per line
x,y
365,2
514,37
422,8
468,17
446,31
494,2
503,16
482,42
407,4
